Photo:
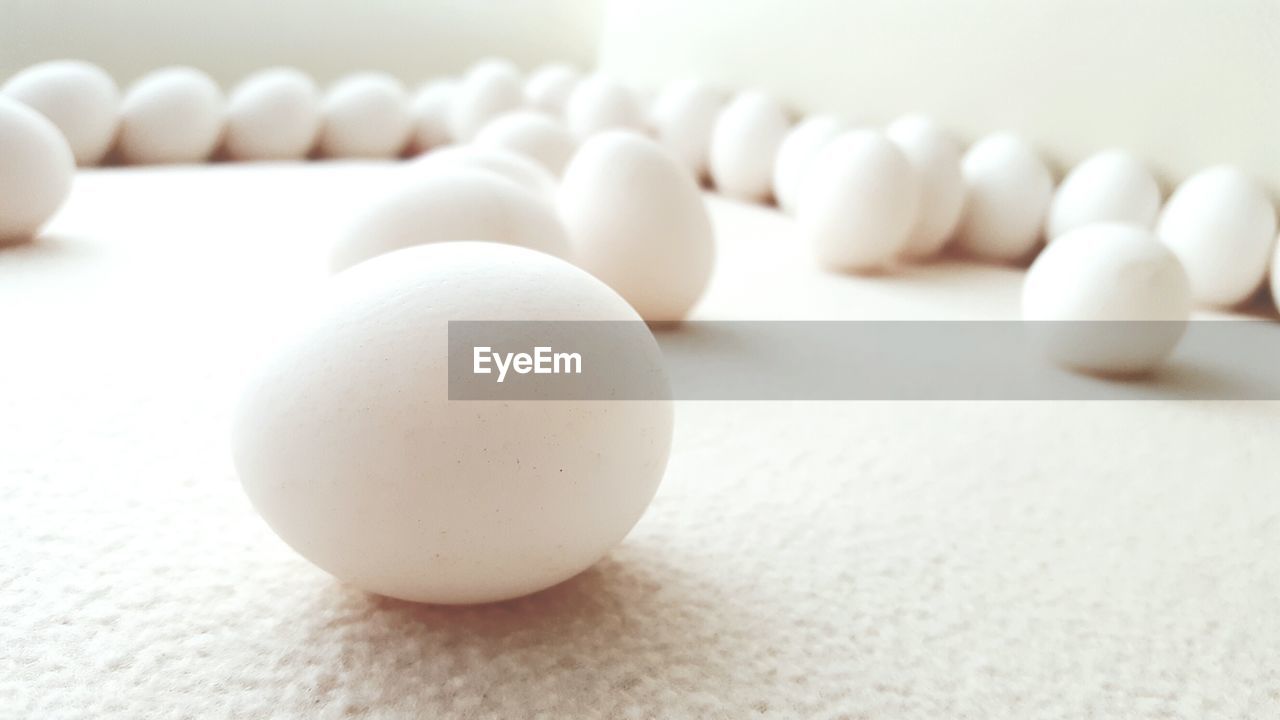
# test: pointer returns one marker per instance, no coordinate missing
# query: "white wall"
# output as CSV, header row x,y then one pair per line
x,y
1184,83
414,39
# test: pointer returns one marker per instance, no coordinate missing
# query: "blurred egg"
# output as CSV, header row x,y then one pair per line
x,y
637,221
461,204
683,116
1221,225
1007,193
488,90
744,144
798,149
79,98
504,163
36,167
1107,298
598,104
549,87
1112,186
935,156
858,202
531,133
430,112
273,115
366,115
348,444
171,115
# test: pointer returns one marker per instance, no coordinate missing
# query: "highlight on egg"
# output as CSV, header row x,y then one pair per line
x,y
1008,188
273,114
171,115
365,115
744,145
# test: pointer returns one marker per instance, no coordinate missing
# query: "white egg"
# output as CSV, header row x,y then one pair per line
x,y
516,168
79,98
36,167
935,156
171,115
798,149
348,445
273,115
1111,186
858,202
1107,298
683,117
1007,193
366,115
598,104
488,90
549,87
744,145
637,220
1221,225
461,204
531,133
430,110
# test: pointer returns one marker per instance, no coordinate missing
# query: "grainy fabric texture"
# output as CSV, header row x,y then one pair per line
x,y
827,560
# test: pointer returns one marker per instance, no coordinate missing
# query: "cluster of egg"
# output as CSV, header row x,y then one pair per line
x,y
559,196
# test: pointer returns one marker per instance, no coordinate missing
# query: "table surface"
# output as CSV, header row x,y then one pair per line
x,y
841,560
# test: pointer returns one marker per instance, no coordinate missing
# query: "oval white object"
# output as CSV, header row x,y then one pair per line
x,y
488,90
366,115
533,134
598,104
744,145
935,156
637,221
797,151
273,115
79,98
36,167
1007,193
348,445
430,111
450,206
549,87
1111,186
683,116
858,202
1107,298
504,163
171,115
1221,225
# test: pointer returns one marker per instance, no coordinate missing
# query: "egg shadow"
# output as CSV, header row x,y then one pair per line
x,y
614,633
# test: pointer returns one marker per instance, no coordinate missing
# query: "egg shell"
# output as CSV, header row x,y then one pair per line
x,y
79,98
171,115
273,114
488,90
1222,226
348,445
858,202
598,104
452,206
1111,186
797,151
935,156
1107,298
533,134
366,115
430,112
548,87
517,168
36,168
744,145
1007,193
683,116
637,221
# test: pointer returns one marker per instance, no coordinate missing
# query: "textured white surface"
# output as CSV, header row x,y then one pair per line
x,y
842,560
